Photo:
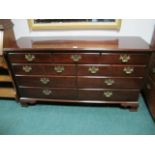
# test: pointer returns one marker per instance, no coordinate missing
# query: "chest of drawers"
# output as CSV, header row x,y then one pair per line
x,y
87,74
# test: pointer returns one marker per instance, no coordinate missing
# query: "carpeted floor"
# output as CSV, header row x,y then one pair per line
x,y
53,119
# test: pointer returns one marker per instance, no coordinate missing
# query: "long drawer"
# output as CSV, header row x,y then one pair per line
x,y
103,58
82,82
48,93
44,69
112,70
47,81
100,95
54,57
82,70
109,95
111,82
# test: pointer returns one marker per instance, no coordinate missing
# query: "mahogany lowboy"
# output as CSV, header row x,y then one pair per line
x,y
107,71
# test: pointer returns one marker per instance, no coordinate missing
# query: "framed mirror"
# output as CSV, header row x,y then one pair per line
x,y
64,24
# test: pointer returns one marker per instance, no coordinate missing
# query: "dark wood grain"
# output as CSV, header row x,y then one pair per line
x,y
54,81
55,93
111,70
20,57
104,58
99,43
113,58
118,83
117,95
44,69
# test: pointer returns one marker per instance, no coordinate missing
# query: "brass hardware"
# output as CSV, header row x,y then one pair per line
x,y
148,86
44,80
128,70
109,82
124,58
59,69
108,94
47,92
76,58
153,70
93,69
29,57
27,69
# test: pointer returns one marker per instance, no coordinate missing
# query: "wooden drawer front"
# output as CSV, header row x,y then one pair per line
x,y
111,70
48,93
44,81
75,58
110,58
117,83
29,57
44,69
109,95
104,58
153,76
55,57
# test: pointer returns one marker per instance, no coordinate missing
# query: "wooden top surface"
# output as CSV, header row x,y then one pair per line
x,y
102,43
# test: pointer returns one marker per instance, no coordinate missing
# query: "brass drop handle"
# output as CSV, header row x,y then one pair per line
x,y
44,80
153,70
109,82
148,86
29,57
59,69
124,58
47,92
108,94
76,58
93,69
128,70
27,69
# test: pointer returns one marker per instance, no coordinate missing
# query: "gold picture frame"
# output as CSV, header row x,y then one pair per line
x,y
114,24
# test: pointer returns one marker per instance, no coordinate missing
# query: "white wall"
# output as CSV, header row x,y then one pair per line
x,y
130,27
